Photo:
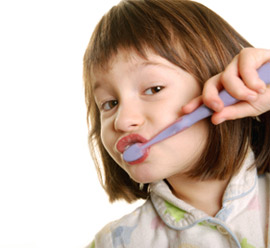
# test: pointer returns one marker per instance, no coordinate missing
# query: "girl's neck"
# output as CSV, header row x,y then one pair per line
x,y
204,195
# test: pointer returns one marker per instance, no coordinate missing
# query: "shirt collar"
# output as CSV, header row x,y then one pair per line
x,y
180,215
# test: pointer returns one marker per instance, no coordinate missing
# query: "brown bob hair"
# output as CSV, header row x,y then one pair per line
x,y
170,28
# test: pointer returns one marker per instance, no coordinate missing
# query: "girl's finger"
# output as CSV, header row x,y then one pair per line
x,y
233,83
192,105
244,109
239,110
247,60
210,93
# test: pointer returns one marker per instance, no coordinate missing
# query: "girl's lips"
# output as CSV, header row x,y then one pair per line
x,y
128,140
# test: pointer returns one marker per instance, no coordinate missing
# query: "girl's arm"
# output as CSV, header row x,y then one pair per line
x,y
241,80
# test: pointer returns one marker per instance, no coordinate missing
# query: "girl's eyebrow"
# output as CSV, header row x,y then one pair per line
x,y
150,63
100,84
158,64
96,85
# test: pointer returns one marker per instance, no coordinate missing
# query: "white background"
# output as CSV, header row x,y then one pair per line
x,y
49,192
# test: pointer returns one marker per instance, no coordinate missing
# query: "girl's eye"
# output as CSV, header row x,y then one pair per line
x,y
153,90
109,104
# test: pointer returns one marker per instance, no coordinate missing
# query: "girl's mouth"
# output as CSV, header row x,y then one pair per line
x,y
129,140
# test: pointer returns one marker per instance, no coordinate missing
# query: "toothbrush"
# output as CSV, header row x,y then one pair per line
x,y
138,150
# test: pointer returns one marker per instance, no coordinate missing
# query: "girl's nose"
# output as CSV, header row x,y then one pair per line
x,y
129,118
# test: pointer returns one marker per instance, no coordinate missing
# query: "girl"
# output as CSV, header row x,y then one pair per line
x,y
145,66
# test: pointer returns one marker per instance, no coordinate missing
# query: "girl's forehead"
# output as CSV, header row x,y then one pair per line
x,y
130,59
123,58
113,64
107,65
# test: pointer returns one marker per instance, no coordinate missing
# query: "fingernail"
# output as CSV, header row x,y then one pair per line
x,y
215,106
220,121
262,90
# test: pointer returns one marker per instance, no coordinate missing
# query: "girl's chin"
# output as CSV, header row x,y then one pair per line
x,y
145,175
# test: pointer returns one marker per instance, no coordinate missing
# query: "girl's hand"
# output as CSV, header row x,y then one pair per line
x,y
241,80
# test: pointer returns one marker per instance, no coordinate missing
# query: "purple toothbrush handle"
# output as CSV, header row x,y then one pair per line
x,y
136,151
203,111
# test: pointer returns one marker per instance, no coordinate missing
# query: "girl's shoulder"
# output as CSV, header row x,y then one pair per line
x,y
121,230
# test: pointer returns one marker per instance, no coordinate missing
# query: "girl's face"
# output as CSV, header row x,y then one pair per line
x,y
138,98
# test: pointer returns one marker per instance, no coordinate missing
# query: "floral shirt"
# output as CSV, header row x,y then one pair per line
x,y
165,221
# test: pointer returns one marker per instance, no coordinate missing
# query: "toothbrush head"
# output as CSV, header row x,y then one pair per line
x,y
134,153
